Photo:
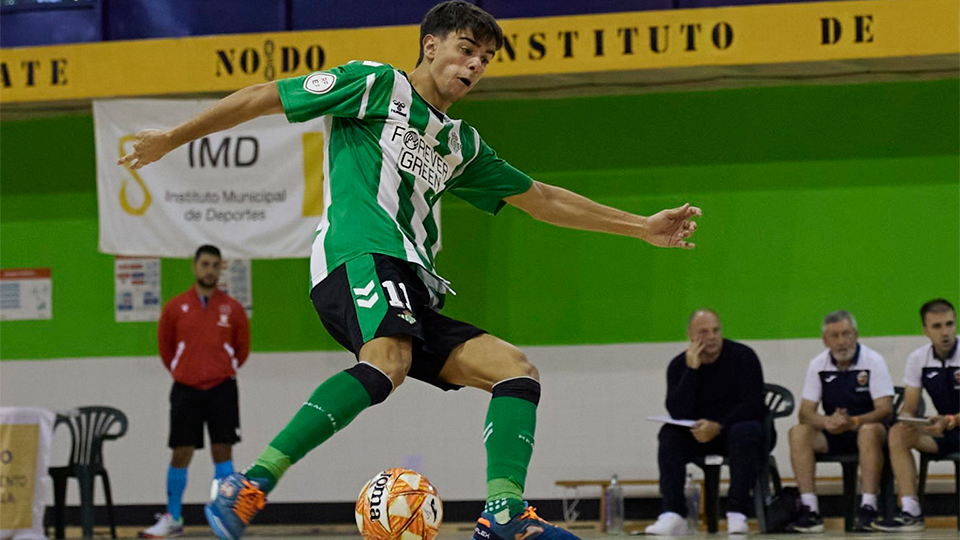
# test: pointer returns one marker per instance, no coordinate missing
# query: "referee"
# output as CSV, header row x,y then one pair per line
x,y
203,337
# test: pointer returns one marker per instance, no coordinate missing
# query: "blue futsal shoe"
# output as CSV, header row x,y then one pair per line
x,y
234,500
524,526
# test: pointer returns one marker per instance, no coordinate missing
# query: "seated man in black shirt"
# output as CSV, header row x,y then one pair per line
x,y
718,383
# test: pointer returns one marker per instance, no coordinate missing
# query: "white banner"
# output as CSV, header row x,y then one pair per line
x,y
254,191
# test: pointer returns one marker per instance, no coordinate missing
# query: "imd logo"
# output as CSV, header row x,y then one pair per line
x,y
124,200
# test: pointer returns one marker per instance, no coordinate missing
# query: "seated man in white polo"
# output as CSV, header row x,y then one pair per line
x,y
854,385
936,368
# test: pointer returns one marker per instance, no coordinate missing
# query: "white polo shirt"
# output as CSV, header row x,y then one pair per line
x,y
867,379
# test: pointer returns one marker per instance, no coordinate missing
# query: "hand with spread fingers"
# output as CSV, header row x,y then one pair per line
x,y
671,227
150,145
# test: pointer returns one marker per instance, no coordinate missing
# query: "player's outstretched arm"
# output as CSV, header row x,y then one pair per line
x,y
243,105
561,207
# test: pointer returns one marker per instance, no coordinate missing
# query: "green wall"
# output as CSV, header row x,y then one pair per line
x,y
814,198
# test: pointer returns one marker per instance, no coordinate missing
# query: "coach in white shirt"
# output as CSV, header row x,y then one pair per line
x,y
854,385
935,367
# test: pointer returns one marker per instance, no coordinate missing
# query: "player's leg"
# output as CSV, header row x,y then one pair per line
x,y
334,404
871,438
744,449
186,434
223,425
493,365
903,438
355,309
676,447
805,443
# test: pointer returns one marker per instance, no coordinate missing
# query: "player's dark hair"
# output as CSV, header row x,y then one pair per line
x,y
938,305
459,15
207,248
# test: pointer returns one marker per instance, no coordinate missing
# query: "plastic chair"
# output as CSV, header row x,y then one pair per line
x,y
780,404
89,427
849,462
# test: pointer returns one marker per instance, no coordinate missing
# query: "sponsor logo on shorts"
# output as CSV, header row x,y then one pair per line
x,y
319,83
407,316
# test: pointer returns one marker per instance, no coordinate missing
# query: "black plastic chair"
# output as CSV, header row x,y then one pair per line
x,y
89,427
780,404
850,462
925,460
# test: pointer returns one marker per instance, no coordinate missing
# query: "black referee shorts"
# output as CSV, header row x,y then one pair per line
x,y
190,409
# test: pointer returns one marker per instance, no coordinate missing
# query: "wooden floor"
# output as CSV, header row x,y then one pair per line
x,y
938,529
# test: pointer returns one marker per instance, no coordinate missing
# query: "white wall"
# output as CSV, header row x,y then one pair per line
x,y
591,420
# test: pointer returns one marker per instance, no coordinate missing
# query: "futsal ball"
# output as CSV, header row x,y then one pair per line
x,y
399,504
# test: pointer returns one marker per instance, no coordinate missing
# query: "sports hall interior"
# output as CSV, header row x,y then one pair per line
x,y
824,152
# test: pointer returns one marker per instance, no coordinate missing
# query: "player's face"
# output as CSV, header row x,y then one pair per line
x,y
207,270
941,328
706,328
841,338
459,63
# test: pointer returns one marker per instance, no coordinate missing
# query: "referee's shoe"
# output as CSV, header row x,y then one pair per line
x,y
234,501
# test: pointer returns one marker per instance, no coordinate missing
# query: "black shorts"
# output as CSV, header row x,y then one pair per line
x,y
379,296
218,407
844,443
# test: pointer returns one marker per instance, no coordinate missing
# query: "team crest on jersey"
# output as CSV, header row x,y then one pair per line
x,y
454,141
224,320
956,375
319,83
863,378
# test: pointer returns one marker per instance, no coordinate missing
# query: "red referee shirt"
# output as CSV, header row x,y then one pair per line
x,y
203,346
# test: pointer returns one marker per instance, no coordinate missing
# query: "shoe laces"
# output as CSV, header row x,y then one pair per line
x,y
250,500
531,513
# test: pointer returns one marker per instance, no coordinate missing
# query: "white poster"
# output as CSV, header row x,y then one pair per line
x,y
137,289
254,191
235,280
25,294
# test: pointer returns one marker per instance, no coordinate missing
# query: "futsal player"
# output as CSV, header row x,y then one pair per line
x,y
391,152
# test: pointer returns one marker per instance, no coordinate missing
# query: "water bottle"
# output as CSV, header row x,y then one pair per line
x,y
613,499
692,495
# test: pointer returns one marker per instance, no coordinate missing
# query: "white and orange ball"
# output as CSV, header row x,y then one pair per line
x,y
399,504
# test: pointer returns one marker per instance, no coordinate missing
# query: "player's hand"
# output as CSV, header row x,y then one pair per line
x,y
150,145
839,422
938,424
705,431
672,227
694,350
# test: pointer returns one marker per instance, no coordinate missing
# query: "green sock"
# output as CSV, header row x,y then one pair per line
x,y
508,437
333,405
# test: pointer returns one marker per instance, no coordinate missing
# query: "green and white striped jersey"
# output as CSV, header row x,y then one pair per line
x,y
388,157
